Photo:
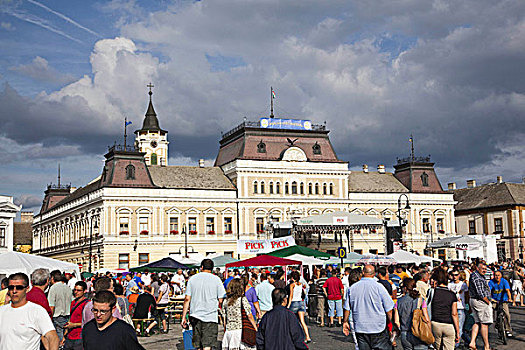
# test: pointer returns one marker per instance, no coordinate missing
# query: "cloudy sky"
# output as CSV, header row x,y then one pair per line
x,y
449,72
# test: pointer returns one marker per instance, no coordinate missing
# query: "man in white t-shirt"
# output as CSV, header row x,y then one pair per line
x,y
23,323
204,296
179,282
460,288
146,278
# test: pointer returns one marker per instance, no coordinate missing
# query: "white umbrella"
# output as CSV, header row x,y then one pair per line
x,y
13,262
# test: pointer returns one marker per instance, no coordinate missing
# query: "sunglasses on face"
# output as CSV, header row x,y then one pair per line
x,y
78,290
17,287
102,312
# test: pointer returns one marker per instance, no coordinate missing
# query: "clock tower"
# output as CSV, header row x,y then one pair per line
x,y
151,139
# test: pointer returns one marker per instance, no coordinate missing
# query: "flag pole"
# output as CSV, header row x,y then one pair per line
x,y
271,102
412,146
125,131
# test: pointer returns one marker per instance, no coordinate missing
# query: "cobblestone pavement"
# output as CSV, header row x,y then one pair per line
x,y
333,338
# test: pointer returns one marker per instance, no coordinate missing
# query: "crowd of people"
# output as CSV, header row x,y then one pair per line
x,y
380,307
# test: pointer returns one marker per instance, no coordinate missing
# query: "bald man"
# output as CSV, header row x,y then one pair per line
x,y
370,305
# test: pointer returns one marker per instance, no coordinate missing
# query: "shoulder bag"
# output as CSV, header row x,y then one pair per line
x,y
248,331
421,328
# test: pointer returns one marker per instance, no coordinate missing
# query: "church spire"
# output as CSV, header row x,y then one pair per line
x,y
151,123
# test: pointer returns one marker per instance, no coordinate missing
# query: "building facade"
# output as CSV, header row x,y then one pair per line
x,y
8,211
139,210
493,209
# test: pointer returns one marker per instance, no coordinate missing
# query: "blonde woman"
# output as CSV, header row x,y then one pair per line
x,y
232,307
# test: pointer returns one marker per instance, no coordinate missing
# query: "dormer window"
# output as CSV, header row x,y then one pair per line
x,y
316,148
424,179
261,147
130,172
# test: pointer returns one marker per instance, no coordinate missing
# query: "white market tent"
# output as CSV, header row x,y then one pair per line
x,y
404,257
307,260
13,262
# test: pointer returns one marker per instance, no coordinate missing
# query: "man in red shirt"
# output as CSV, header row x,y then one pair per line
x,y
333,290
40,281
73,334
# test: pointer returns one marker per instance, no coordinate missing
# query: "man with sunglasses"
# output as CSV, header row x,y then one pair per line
x,y
460,288
106,331
73,328
22,323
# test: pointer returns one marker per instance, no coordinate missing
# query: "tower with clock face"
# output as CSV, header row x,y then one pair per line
x,y
151,139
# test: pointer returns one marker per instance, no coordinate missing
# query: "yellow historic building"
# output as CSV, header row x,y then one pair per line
x,y
266,172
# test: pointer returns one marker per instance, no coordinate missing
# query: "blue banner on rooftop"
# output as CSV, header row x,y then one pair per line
x,y
278,123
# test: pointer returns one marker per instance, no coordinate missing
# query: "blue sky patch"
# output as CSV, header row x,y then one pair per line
x,y
222,63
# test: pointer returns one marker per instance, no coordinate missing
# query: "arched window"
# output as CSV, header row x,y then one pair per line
x,y
331,189
255,187
154,159
271,187
294,187
316,188
278,188
262,187
130,172
301,187
325,189
286,188
310,189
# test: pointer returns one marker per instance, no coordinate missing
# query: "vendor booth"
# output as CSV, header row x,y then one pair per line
x,y
162,265
404,257
13,262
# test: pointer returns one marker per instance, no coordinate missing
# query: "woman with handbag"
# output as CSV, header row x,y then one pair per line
x,y
445,321
232,310
296,301
404,314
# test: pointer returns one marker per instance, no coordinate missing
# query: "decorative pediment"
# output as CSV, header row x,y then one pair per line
x,y
144,210
294,154
228,211
174,211
192,211
210,211
9,207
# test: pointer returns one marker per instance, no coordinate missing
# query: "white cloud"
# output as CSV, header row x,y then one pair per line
x,y
39,69
7,26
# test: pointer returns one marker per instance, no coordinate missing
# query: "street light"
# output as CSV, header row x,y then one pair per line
x,y
185,233
91,240
390,239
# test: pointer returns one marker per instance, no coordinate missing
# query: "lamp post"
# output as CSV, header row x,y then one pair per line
x,y
185,233
91,240
390,243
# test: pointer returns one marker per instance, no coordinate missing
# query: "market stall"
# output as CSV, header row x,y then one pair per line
x,y
404,257
263,261
297,249
162,265
370,259
13,262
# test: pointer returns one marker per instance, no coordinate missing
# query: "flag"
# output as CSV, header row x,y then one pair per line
x,y
273,94
128,123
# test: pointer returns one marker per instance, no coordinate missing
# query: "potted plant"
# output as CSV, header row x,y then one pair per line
x,y
174,232
144,232
228,231
124,232
373,230
211,232
193,232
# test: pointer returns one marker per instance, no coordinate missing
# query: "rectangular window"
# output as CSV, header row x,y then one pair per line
x,y
143,258
210,253
271,187
278,188
286,188
259,224
472,227
2,237
192,225
143,225
174,225
426,225
262,187
498,225
372,251
442,254
229,253
124,226
228,225
439,224
358,251
123,261
210,225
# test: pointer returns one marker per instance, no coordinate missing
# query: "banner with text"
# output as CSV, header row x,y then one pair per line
x,y
261,246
